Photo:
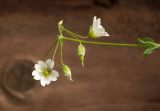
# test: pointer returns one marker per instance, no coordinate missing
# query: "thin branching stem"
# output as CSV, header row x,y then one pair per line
x,y
102,43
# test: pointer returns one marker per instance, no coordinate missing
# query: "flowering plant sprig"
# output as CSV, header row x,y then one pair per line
x,y
44,70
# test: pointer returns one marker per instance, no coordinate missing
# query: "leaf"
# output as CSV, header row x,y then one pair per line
x,y
149,44
146,42
145,39
148,51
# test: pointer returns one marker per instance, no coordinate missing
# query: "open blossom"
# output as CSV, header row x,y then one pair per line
x,y
97,30
44,72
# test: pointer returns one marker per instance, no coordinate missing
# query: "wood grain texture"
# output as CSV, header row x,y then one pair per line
x,y
114,78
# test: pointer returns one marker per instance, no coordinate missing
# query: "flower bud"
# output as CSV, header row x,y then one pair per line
x,y
81,53
60,22
67,72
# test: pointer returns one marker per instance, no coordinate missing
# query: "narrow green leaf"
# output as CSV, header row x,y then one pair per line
x,y
146,42
149,44
148,51
145,39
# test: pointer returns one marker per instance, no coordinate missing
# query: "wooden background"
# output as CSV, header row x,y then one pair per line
x,y
114,78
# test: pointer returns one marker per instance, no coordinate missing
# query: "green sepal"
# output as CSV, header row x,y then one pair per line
x,y
91,33
82,60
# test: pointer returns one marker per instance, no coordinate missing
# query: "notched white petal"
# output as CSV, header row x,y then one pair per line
x,y
41,63
98,22
38,67
105,34
35,72
43,82
55,73
94,21
47,80
50,63
54,79
37,77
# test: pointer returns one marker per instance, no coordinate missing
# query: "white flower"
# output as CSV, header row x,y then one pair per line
x,y
97,30
44,72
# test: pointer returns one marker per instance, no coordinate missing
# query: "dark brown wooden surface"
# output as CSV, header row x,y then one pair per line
x,y
114,78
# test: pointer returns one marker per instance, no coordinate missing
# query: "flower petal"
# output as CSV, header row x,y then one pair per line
x,y
54,79
50,63
43,82
41,63
35,72
37,77
94,21
48,81
55,73
98,22
38,67
105,34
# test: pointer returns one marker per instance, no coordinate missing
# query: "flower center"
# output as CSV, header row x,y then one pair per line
x,y
46,72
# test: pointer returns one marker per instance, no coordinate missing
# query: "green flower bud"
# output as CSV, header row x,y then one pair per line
x,y
81,50
67,72
81,53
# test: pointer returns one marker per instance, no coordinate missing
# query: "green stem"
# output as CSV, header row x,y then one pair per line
x,y
102,43
61,53
55,49
77,39
53,45
73,34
